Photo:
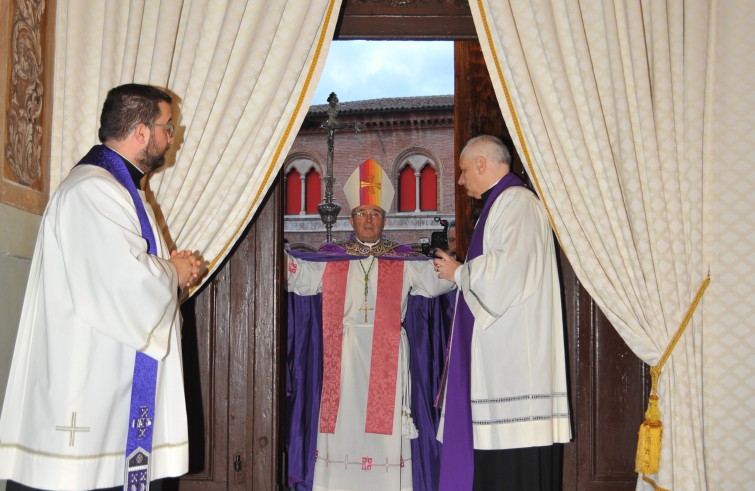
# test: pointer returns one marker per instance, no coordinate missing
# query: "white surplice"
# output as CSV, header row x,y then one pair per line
x,y
94,297
518,373
351,459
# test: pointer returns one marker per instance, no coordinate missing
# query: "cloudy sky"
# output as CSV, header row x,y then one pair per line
x,y
359,70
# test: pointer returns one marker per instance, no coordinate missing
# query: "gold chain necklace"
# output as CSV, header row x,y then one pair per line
x,y
366,285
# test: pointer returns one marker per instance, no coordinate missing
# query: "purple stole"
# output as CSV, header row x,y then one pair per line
x,y
457,456
139,442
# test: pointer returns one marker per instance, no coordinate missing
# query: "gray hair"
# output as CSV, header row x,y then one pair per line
x,y
489,146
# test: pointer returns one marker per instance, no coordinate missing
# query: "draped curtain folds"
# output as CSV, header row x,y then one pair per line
x,y
605,102
242,74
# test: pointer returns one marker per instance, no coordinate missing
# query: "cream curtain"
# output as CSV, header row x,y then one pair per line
x,y
242,71
606,102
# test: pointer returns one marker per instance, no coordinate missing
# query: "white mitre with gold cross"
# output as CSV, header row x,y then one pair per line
x,y
369,185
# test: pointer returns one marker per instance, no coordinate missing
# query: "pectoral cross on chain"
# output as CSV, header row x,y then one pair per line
x,y
366,286
365,309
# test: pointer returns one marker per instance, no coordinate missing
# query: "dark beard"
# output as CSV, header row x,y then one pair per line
x,y
155,162
150,159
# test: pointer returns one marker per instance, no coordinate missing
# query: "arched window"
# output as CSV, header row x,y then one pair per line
x,y
293,193
418,184
428,189
303,188
313,191
407,200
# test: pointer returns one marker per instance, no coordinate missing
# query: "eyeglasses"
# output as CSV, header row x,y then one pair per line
x,y
168,127
364,214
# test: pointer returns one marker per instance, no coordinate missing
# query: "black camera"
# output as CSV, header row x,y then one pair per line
x,y
437,240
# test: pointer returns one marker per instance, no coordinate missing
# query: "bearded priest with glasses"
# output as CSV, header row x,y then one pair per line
x,y
95,395
366,343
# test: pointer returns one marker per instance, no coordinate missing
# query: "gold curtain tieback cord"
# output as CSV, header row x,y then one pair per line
x,y
648,454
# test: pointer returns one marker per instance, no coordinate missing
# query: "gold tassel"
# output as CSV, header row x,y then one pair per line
x,y
649,442
648,455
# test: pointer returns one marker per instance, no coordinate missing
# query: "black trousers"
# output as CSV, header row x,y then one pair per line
x,y
519,469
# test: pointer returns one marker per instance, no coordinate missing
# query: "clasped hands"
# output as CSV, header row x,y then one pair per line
x,y
188,267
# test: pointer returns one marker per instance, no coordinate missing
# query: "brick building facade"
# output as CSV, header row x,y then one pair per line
x,y
412,138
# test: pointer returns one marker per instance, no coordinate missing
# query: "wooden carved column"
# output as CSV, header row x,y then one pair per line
x,y
26,68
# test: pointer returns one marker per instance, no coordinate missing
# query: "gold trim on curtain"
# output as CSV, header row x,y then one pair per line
x,y
285,143
607,101
241,73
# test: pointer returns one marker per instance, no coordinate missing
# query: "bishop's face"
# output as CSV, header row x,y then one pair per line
x,y
368,222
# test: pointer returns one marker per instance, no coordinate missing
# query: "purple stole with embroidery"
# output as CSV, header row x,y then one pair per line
x,y
141,414
457,456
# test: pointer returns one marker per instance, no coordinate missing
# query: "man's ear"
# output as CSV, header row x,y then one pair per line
x,y
351,222
142,133
480,164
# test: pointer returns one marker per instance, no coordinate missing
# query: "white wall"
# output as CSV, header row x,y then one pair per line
x,y
18,231
729,306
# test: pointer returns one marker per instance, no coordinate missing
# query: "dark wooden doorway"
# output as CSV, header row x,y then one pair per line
x,y
608,383
233,334
233,363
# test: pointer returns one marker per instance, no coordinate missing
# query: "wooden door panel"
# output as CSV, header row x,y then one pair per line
x,y
475,112
408,19
205,343
615,399
231,344
609,388
266,347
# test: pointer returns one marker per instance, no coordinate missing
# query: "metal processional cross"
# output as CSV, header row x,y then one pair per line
x,y
329,209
